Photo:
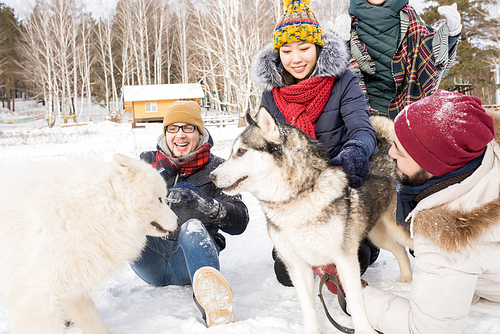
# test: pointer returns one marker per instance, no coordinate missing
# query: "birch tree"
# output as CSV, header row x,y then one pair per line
x,y
85,61
61,24
232,31
182,9
123,22
107,57
38,51
161,26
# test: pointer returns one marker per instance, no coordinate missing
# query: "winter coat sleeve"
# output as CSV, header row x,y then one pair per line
x,y
232,216
440,297
233,213
354,112
148,156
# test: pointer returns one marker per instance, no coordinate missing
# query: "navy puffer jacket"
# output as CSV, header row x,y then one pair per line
x,y
345,116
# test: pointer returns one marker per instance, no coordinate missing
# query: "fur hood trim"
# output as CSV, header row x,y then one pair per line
x,y
266,65
454,230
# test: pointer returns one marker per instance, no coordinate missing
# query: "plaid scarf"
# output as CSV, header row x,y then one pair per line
x,y
187,164
301,104
414,68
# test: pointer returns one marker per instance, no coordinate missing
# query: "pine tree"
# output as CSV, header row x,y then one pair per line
x,y
9,70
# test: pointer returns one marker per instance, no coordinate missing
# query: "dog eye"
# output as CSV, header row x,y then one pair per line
x,y
240,152
160,199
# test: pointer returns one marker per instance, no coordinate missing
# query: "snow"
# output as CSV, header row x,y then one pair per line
x,y
261,304
162,92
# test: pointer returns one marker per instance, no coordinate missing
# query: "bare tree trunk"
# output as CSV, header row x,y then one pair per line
x,y
61,25
109,42
39,44
85,66
181,11
102,52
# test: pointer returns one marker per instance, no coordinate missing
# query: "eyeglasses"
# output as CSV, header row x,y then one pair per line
x,y
188,128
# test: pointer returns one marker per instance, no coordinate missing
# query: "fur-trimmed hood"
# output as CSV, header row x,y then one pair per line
x,y
461,215
454,230
266,65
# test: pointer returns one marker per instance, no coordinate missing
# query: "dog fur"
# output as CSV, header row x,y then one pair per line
x,y
67,227
314,218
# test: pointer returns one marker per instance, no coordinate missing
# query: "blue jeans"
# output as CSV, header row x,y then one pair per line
x,y
166,262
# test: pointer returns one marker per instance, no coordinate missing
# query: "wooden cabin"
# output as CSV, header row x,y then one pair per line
x,y
148,103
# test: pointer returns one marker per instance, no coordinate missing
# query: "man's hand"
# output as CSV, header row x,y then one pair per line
x,y
185,192
452,17
342,26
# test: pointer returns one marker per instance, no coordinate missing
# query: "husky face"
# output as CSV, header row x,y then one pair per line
x,y
253,157
267,160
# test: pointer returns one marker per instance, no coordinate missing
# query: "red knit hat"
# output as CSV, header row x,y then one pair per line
x,y
444,131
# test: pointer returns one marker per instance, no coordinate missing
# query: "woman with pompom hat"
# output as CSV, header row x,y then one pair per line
x,y
306,84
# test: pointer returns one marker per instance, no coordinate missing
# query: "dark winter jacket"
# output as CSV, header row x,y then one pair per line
x,y
233,217
345,116
379,30
391,37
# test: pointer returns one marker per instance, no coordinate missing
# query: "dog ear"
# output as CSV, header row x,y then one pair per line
x,y
249,119
126,165
268,125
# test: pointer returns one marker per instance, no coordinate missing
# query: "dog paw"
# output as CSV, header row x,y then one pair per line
x,y
405,278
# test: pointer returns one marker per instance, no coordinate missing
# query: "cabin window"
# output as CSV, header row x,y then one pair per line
x,y
151,107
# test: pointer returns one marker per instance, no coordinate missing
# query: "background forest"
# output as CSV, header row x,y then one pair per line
x,y
68,55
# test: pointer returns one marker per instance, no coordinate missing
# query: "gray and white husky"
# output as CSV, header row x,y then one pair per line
x,y
313,217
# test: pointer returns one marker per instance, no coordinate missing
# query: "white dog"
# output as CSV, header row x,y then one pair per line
x,y
67,227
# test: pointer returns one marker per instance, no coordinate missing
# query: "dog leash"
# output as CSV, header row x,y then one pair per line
x,y
341,299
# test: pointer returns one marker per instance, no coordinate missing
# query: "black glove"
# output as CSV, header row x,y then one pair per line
x,y
355,163
185,192
165,172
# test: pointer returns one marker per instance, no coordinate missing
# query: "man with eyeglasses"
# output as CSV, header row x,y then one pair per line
x,y
190,256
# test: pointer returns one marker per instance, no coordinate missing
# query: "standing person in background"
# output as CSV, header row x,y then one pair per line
x,y
398,59
306,84
191,256
448,173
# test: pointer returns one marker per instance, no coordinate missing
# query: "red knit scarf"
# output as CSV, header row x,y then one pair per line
x,y
187,164
301,104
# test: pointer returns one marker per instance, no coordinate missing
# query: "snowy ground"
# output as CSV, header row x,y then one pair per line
x,y
261,304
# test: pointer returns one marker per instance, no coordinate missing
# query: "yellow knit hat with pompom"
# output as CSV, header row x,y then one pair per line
x,y
298,24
